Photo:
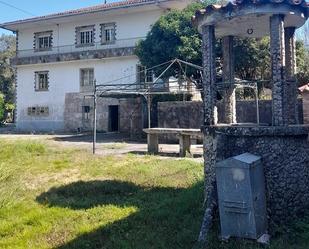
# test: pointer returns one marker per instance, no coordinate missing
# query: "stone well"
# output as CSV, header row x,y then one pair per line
x,y
283,145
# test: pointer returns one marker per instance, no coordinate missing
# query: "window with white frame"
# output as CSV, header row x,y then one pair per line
x,y
41,111
108,33
43,41
41,81
86,77
85,35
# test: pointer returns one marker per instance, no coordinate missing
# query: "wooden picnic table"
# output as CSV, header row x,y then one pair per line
x,y
183,134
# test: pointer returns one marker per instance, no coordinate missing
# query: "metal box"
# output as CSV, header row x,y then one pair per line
x,y
241,195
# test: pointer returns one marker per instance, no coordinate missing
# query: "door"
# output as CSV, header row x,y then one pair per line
x,y
113,116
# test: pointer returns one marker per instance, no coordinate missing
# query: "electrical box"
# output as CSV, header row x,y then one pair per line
x,y
241,196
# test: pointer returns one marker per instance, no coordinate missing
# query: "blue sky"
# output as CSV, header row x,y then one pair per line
x,y
39,7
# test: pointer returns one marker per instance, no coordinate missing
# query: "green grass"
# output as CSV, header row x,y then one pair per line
x,y
58,198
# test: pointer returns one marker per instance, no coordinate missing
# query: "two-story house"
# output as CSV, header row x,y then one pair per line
x,y
60,55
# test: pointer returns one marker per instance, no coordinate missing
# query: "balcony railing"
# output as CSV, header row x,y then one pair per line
x,y
120,43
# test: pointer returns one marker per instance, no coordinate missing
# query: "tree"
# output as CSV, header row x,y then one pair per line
x,y
2,108
252,58
302,63
172,36
303,34
7,87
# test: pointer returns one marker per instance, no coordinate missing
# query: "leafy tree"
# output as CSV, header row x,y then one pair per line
x,y
2,108
302,55
7,87
172,36
252,58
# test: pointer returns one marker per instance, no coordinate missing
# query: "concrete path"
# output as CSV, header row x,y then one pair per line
x,y
108,144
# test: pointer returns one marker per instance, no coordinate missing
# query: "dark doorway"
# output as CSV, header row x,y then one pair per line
x,y
113,118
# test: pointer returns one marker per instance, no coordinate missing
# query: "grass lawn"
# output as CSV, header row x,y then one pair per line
x,y
53,197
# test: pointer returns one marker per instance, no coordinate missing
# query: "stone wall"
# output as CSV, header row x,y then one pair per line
x,y
305,96
130,114
190,114
285,158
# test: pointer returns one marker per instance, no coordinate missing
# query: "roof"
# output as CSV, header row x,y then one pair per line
x,y
237,3
304,88
96,8
238,16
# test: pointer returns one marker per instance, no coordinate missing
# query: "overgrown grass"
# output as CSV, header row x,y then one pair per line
x,y
66,198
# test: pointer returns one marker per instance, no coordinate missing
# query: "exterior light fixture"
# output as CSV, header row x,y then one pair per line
x,y
249,31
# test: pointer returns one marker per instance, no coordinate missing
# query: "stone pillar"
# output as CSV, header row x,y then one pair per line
x,y
277,53
229,98
291,83
210,118
209,75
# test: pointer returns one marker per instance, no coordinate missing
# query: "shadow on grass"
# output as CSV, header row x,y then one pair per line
x,y
167,154
166,218
101,138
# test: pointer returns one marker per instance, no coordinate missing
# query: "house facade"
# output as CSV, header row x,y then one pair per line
x,y
59,56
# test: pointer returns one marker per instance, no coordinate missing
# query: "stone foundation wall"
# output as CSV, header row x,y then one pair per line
x,y
129,113
285,158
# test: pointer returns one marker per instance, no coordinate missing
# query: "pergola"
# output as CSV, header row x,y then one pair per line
x,y
252,18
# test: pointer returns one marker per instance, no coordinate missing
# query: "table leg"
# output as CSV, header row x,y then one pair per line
x,y
184,145
153,143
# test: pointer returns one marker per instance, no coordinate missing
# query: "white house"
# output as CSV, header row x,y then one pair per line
x,y
59,56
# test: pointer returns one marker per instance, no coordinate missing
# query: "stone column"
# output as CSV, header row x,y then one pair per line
x,y
209,75
229,98
291,83
277,53
210,116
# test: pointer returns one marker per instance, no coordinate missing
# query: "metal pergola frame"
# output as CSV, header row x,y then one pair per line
x,y
107,89
134,89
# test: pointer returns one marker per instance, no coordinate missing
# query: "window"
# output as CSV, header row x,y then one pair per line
x,y
86,77
41,81
149,76
85,35
140,74
86,111
144,75
38,111
43,41
108,33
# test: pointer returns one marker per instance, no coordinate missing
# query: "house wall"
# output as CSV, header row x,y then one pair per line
x,y
63,78
127,26
130,114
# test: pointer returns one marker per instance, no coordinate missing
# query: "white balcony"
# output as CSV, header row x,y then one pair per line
x,y
72,48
